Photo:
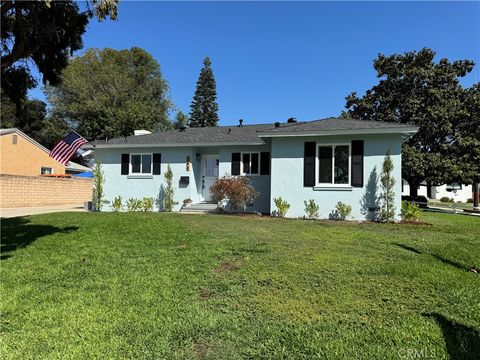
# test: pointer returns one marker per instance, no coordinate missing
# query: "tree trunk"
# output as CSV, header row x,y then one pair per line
x,y
475,195
413,189
429,190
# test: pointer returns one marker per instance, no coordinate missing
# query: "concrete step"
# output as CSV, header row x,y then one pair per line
x,y
200,207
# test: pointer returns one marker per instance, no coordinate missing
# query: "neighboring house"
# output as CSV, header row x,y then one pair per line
x,y
22,155
328,160
457,192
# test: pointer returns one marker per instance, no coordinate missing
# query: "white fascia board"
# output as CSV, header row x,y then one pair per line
x,y
166,145
407,131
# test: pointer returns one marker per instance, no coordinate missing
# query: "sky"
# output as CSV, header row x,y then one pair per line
x,y
276,60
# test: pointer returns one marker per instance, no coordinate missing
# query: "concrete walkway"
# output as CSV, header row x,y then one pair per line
x,y
25,211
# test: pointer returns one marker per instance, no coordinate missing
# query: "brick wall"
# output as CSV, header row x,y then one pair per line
x,y
32,191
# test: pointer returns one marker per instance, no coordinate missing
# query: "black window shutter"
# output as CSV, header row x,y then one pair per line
x,y
157,162
309,164
125,164
264,163
235,163
357,163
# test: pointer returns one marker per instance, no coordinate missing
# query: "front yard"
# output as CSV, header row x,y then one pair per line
x,y
146,285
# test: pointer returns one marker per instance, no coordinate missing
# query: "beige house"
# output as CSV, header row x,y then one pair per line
x,y
21,155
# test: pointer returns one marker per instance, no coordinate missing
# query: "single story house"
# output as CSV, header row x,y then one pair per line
x,y
328,160
455,191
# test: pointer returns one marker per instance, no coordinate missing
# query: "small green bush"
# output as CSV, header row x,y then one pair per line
x,y
282,206
343,210
311,209
117,204
147,204
134,204
469,201
410,211
446,199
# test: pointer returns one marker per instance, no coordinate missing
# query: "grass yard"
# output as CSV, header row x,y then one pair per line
x,y
146,285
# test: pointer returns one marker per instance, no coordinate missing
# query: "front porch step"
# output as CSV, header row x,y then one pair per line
x,y
202,207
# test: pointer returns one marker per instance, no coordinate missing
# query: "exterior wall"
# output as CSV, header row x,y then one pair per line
x,y
24,158
463,195
150,186
132,186
438,192
31,191
287,175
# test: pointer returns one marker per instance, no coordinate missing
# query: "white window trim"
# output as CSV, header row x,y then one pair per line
x,y
317,166
241,163
141,165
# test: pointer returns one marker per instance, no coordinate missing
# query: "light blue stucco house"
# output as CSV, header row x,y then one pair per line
x,y
327,160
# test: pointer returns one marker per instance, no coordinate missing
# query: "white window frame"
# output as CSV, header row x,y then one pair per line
x,y
141,165
317,165
241,163
46,167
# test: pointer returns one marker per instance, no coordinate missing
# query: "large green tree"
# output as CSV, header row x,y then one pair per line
x,y
43,33
204,107
413,88
108,93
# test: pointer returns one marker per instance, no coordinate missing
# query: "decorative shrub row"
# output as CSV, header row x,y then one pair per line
x,y
145,204
342,211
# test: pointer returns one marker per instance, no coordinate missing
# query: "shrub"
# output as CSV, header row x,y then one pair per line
x,y
311,209
98,180
446,199
168,191
237,190
282,206
134,204
387,183
470,201
146,204
410,211
117,204
343,210
187,201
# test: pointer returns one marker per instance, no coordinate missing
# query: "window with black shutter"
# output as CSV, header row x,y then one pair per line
x,y
309,164
357,163
235,163
157,163
125,164
264,163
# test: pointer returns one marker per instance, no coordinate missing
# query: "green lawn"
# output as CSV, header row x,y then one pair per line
x,y
166,286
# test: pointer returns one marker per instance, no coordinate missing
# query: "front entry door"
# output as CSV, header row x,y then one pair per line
x,y
209,175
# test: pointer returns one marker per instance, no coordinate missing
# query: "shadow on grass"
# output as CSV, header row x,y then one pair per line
x,y
18,233
408,248
435,256
462,342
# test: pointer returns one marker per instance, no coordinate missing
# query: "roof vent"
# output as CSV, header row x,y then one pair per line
x,y
240,122
277,124
291,120
141,132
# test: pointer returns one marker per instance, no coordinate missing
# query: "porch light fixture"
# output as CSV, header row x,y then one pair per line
x,y
198,156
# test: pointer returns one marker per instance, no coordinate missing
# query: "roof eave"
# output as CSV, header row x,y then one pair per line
x,y
406,131
166,145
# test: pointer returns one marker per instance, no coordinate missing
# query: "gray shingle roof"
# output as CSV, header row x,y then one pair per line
x,y
203,135
249,134
336,124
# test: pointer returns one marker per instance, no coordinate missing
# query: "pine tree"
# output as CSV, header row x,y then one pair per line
x,y
204,105
181,120
387,181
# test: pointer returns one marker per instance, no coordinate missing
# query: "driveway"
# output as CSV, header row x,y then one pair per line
x,y
25,211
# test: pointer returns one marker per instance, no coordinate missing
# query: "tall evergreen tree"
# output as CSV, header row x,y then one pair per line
x,y
204,105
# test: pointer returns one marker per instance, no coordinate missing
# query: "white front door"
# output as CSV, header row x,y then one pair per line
x,y
209,174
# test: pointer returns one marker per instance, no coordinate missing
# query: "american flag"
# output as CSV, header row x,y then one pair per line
x,y
67,147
